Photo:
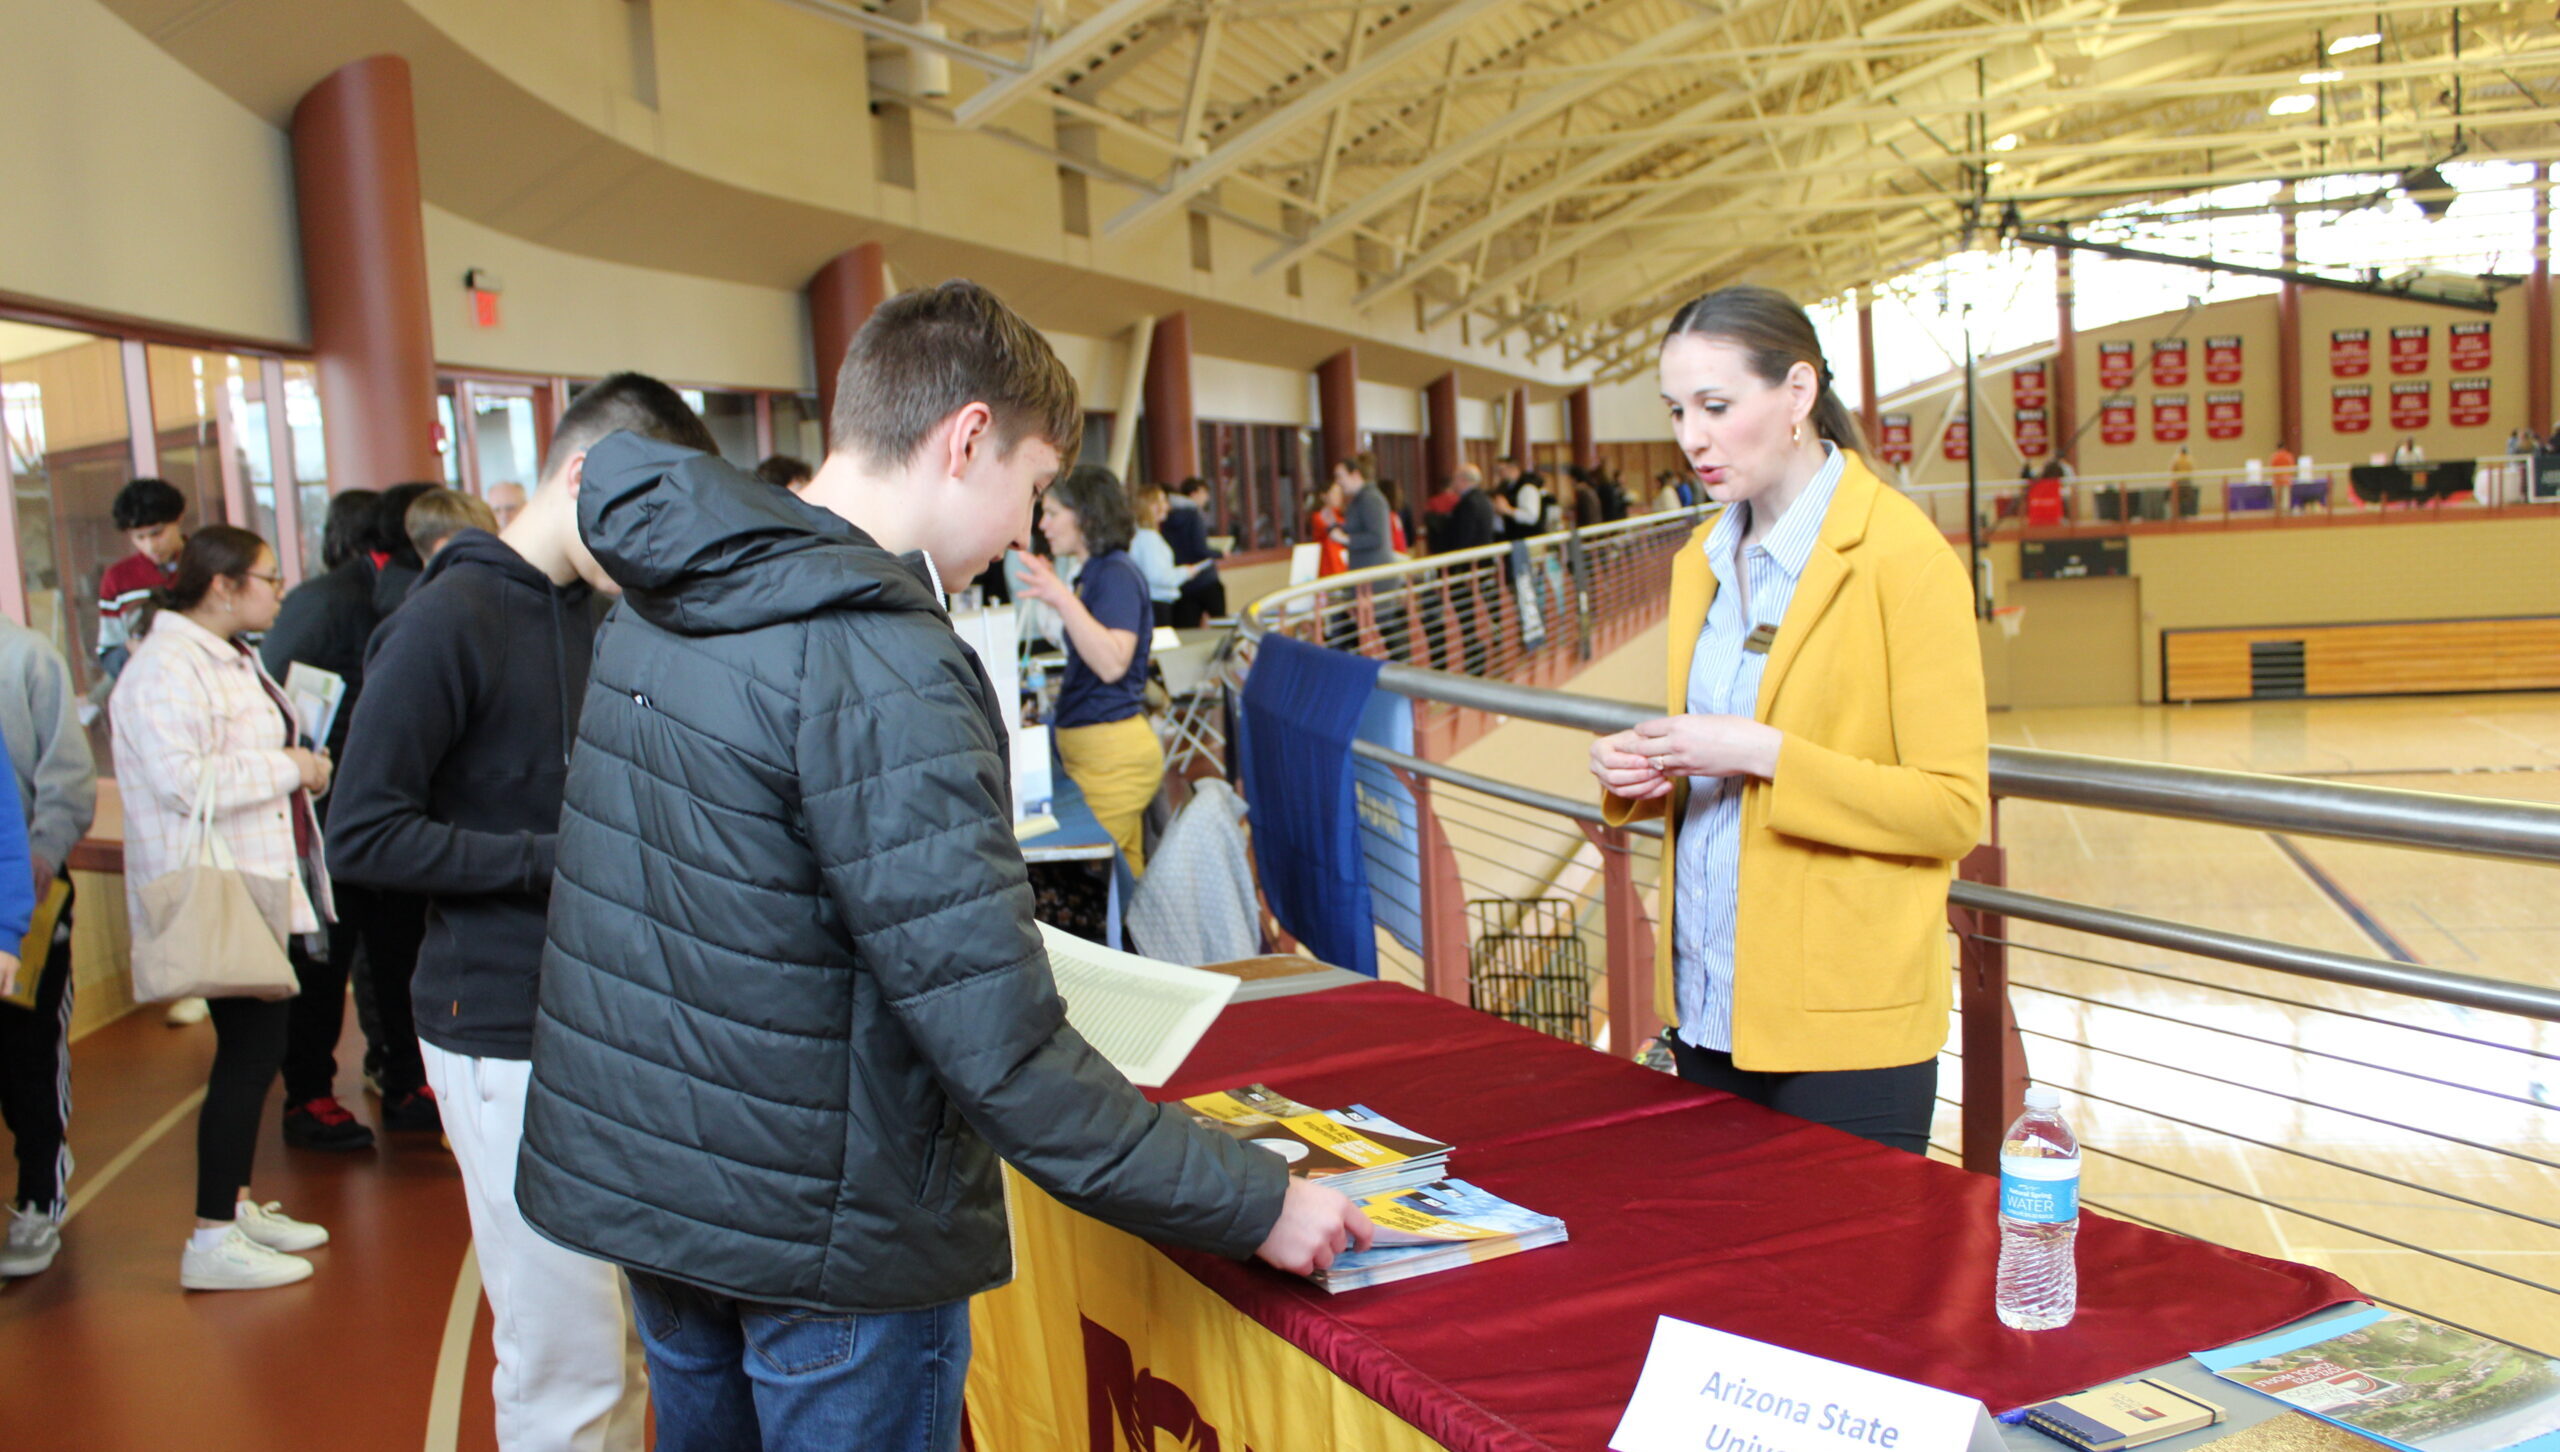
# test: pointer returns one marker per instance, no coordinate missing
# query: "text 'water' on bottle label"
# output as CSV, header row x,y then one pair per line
x,y
2039,1190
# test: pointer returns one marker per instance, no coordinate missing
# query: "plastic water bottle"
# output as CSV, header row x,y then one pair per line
x,y
2039,1286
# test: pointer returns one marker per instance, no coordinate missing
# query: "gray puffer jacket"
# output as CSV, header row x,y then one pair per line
x,y
793,1007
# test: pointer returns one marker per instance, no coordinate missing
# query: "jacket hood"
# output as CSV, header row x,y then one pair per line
x,y
702,548
479,549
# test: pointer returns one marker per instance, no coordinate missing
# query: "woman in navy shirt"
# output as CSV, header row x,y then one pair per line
x,y
1104,739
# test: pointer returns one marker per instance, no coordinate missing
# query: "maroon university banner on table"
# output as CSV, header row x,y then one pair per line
x,y
2035,435
2027,386
2223,417
2351,408
2410,405
2409,348
2350,352
1893,442
1958,443
2222,359
2467,347
2169,418
2117,423
2168,362
2466,404
2115,365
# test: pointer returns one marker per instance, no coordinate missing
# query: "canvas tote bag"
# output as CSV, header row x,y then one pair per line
x,y
208,929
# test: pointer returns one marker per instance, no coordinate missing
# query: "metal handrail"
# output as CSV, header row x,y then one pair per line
x,y
1254,621
2341,811
2434,985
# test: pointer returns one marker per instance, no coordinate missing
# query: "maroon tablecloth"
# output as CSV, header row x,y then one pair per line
x,y
1689,1203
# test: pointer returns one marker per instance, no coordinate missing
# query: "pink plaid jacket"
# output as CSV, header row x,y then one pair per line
x,y
188,697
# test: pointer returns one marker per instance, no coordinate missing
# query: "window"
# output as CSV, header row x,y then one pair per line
x,y
798,428
70,448
731,417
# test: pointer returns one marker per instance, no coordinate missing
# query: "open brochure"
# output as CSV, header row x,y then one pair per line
x,y
316,695
1437,1227
1142,1015
2405,1381
1357,1150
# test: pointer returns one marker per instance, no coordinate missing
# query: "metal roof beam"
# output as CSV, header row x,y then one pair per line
x,y
1054,58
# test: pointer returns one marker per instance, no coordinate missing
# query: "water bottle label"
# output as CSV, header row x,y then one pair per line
x,y
2039,1191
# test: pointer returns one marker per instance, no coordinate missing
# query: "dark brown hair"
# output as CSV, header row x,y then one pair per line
x,y
1767,325
1100,505
634,402
1363,464
927,354
215,552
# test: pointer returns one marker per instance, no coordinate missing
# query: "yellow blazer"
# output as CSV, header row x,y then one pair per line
x,y
1883,782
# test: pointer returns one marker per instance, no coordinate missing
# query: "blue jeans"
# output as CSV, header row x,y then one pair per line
x,y
728,1375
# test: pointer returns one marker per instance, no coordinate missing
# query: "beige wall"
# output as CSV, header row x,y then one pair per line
x,y
1388,409
133,186
576,315
1238,392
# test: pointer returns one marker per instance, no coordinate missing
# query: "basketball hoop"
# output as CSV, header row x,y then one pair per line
x,y
2010,618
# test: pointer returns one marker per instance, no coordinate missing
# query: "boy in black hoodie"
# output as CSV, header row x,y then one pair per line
x,y
455,765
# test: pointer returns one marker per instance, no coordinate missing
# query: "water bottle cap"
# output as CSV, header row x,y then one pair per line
x,y
2043,1096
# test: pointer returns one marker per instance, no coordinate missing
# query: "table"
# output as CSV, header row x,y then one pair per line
x,y
1681,1201
1080,838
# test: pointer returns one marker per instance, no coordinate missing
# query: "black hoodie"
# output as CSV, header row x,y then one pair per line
x,y
452,778
794,1006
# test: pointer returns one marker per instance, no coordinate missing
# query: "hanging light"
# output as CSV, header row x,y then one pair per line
x,y
2346,43
2293,105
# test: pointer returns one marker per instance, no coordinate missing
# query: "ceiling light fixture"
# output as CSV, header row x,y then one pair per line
x,y
2346,43
2006,143
1995,168
2322,78
2291,105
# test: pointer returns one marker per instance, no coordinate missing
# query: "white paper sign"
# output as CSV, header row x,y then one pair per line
x,y
1708,1391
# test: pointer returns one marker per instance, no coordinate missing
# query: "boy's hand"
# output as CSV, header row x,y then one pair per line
x,y
1315,1225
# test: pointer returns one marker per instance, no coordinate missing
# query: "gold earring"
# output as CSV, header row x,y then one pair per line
x,y
1795,433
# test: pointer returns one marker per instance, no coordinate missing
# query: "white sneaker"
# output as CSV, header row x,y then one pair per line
x,y
185,1011
237,1263
269,1226
35,1238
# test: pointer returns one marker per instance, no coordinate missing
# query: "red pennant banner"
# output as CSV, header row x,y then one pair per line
x,y
1958,444
2222,359
2467,347
2466,404
2115,365
2223,416
2350,352
2409,348
2169,418
2351,408
2035,435
2116,422
1894,444
2027,386
2410,405
2168,362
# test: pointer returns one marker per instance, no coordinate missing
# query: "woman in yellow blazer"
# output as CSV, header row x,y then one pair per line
x,y
1828,759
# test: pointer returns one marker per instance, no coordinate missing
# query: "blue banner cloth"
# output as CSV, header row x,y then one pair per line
x,y
1390,820
1302,705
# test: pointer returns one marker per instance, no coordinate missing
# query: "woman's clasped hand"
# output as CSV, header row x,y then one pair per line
x,y
1648,761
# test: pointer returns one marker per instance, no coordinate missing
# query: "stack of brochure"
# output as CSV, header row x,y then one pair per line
x,y
1438,1227
1357,1150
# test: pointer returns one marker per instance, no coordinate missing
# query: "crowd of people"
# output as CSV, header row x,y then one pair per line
x,y
663,829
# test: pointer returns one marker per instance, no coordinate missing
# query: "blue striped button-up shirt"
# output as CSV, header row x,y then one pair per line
x,y
1724,680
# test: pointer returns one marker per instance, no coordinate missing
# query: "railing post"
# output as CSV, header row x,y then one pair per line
x,y
1632,1019
1444,900
1995,1058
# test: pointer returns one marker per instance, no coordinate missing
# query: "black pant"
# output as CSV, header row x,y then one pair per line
x,y
389,927
1890,1106
35,1074
1203,597
249,1035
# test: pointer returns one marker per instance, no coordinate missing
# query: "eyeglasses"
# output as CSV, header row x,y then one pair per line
x,y
275,580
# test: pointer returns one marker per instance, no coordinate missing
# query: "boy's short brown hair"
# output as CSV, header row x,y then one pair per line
x,y
440,514
927,354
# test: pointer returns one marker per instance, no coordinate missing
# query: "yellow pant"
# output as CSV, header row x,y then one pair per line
x,y
1118,766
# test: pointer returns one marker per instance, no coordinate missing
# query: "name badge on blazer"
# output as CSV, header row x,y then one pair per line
x,y
1761,638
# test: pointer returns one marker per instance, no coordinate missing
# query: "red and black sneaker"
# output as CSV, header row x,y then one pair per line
x,y
412,1113
324,1124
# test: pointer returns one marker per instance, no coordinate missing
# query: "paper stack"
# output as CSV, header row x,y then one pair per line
x,y
1357,1150
1437,1227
